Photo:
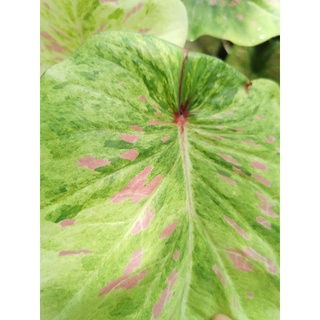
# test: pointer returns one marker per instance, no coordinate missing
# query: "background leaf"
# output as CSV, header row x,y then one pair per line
x,y
144,215
245,23
262,61
66,24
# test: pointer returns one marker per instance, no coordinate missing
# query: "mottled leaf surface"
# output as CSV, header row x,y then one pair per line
x,y
243,22
152,213
66,24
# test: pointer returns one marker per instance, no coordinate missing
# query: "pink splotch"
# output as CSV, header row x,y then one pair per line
x,y
129,138
234,303
239,260
239,16
266,206
260,117
270,265
124,282
137,128
67,252
220,127
54,45
227,179
258,165
271,139
218,272
127,281
229,159
166,138
67,222
144,222
145,30
213,2
168,230
101,28
156,122
143,98
129,155
46,5
92,163
264,222
134,263
234,225
250,294
134,10
278,150
252,143
166,294
229,112
261,179
136,189
238,171
237,129
176,255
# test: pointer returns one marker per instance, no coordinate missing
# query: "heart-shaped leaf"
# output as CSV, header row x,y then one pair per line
x,y
243,22
66,24
159,185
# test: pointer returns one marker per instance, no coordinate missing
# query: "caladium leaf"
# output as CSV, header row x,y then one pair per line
x,y
159,185
245,23
66,24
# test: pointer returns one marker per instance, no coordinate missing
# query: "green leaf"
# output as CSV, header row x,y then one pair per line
x,y
66,24
262,61
159,185
243,22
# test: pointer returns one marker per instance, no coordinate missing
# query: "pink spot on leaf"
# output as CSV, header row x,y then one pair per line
x,y
237,129
239,16
266,207
213,2
229,112
155,122
218,272
237,227
136,128
260,117
239,260
92,163
136,189
101,28
166,294
227,179
134,263
67,222
278,150
261,179
271,139
67,252
129,155
164,139
176,255
129,138
143,98
54,45
234,303
258,165
143,223
46,5
146,30
238,171
220,127
247,85
168,230
264,222
229,159
126,281
250,294
252,143
271,267
133,11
